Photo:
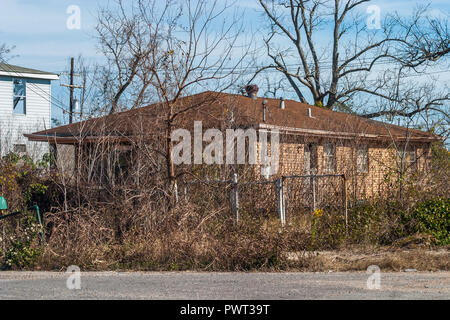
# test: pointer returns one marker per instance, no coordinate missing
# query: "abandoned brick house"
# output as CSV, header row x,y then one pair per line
x,y
313,140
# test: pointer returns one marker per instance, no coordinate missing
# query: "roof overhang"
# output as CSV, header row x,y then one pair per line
x,y
347,135
54,139
30,75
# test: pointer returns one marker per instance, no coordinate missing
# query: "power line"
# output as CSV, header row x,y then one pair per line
x,y
243,71
71,87
251,70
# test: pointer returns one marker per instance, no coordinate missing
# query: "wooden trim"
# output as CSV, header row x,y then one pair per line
x,y
346,135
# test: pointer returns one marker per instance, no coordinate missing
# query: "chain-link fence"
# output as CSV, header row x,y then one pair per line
x,y
288,197
215,195
305,194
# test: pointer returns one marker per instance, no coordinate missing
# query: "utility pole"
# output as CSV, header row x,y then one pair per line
x,y
72,87
71,91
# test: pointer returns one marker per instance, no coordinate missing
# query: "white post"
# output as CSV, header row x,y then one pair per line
x,y
175,190
279,184
284,200
185,189
314,192
236,197
285,197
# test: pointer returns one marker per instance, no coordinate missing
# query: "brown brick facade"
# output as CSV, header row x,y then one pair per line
x,y
383,162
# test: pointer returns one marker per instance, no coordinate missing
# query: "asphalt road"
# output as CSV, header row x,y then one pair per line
x,y
230,286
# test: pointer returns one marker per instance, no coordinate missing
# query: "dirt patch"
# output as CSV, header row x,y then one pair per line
x,y
387,259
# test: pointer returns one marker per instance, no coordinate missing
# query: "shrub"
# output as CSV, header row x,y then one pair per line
x,y
21,255
22,251
433,217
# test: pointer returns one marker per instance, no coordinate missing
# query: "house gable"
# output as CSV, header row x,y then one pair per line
x,y
25,106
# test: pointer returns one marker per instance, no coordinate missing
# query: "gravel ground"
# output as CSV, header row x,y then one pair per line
x,y
230,286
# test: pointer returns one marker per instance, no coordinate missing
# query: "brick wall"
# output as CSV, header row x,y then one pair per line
x,y
383,162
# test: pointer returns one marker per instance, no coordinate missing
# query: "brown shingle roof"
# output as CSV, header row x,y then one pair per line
x,y
218,109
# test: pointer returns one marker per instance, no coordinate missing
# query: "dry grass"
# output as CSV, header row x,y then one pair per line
x,y
387,258
123,230
189,239
182,240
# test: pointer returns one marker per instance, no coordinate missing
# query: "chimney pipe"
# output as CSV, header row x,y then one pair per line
x,y
264,110
252,91
309,113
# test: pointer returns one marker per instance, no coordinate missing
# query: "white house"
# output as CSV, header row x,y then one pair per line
x,y
25,106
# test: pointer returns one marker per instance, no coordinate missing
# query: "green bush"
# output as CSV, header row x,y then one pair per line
x,y
35,192
373,222
22,250
433,217
21,255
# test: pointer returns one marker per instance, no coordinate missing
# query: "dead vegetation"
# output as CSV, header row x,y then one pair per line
x,y
192,238
386,258
108,225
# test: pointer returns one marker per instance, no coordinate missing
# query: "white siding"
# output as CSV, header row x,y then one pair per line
x,y
37,117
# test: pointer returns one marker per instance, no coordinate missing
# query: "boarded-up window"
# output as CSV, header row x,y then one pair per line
x,y
122,164
362,159
310,159
409,159
329,158
20,148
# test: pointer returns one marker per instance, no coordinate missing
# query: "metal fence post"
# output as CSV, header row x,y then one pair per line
x,y
345,202
39,221
236,197
285,196
175,191
185,189
279,184
314,192
3,238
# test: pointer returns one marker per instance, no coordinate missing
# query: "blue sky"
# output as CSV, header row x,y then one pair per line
x,y
37,29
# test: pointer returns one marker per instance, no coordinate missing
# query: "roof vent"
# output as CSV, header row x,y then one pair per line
x,y
264,103
282,104
252,91
309,113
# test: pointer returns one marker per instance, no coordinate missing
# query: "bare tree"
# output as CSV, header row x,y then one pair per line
x,y
161,53
197,61
427,38
5,50
345,71
128,35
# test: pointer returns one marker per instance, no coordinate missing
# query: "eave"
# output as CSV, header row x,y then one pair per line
x,y
72,140
347,135
30,75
